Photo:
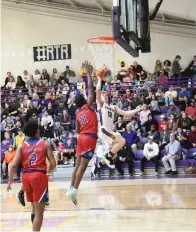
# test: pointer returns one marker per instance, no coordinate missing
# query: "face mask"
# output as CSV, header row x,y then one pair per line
x,y
10,149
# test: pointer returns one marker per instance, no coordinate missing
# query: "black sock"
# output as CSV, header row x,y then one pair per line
x,y
32,217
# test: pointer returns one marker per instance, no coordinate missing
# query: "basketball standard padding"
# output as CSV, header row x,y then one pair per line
x,y
102,72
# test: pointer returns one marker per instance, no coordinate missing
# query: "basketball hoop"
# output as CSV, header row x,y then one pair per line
x,y
102,49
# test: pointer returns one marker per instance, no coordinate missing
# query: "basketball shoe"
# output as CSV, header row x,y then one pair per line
x,y
20,197
108,160
71,193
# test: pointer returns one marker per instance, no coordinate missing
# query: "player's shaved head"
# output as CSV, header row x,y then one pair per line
x,y
30,129
80,100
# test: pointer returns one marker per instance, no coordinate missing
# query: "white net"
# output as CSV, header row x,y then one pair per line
x,y
103,52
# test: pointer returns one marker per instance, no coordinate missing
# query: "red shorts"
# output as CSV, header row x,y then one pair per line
x,y
86,146
36,187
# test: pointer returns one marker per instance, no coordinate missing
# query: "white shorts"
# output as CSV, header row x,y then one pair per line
x,y
106,135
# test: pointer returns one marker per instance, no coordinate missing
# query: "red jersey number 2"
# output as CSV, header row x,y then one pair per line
x,y
83,119
32,159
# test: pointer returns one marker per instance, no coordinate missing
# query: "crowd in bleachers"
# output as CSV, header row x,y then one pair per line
x,y
169,95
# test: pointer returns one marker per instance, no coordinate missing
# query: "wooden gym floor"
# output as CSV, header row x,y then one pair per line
x,y
110,205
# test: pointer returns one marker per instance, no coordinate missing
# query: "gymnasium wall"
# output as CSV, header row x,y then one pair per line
x,y
21,31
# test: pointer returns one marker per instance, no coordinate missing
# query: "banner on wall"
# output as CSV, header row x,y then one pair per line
x,y
52,52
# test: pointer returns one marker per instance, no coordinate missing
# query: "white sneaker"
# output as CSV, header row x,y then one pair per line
x,y
141,173
66,162
156,174
108,162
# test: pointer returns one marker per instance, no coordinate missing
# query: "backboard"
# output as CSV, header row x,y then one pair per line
x,y
125,15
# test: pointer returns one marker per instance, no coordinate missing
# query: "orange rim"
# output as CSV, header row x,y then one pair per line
x,y
101,40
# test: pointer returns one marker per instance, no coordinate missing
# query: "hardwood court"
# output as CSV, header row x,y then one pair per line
x,y
114,205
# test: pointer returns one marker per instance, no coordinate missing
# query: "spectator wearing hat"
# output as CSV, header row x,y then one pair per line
x,y
154,133
173,153
173,110
170,95
162,122
9,156
191,110
151,153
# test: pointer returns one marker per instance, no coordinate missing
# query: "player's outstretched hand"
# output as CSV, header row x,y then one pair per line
x,y
88,67
9,185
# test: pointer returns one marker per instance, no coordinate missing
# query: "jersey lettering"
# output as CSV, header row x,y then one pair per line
x,y
32,159
83,119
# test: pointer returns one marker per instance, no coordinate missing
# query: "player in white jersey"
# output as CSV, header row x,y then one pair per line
x,y
107,115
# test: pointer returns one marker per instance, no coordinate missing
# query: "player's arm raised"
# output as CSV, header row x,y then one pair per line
x,y
13,166
50,157
89,69
129,112
98,93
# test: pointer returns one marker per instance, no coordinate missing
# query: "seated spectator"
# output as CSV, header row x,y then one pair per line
x,y
149,82
116,102
53,81
172,123
59,109
183,93
46,131
148,95
191,110
37,75
170,95
8,124
131,137
167,67
41,87
107,88
50,109
66,120
11,84
46,75
72,108
154,133
47,118
192,137
73,139
162,79
151,121
60,151
173,153
142,77
135,125
18,127
67,72
55,74
120,125
158,67
164,137
144,114
191,69
58,129
137,69
176,68
25,77
14,105
19,138
73,79
48,98
69,152
60,98
43,80
9,156
154,105
173,110
36,101
20,83
5,144
5,110
131,70
160,95
151,153
123,69
185,122
7,79
181,136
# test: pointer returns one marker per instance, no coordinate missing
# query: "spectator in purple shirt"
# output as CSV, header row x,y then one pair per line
x,y
131,137
5,144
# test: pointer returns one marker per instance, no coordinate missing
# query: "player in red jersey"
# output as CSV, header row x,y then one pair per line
x,y
87,127
32,153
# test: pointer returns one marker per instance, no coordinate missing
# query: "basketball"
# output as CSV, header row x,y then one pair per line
x,y
102,72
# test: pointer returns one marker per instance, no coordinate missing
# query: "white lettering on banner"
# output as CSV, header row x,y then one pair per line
x,y
52,52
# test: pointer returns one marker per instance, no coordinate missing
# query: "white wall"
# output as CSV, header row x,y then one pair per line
x,y
22,30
